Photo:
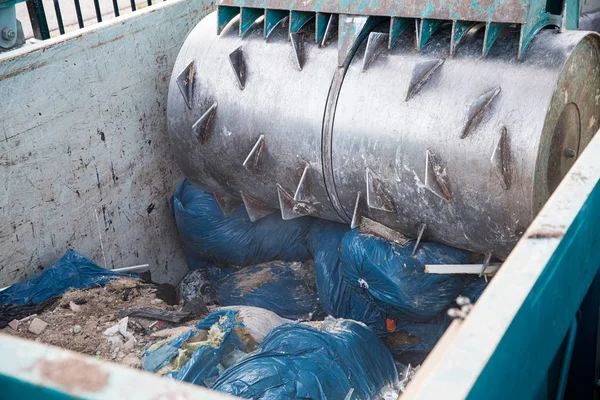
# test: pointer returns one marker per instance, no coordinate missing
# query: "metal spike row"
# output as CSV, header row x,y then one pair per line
x,y
476,110
492,32
272,19
501,159
253,158
290,208
224,15
436,179
397,26
249,17
376,43
236,59
421,72
321,22
377,197
419,237
298,19
227,204
185,82
255,208
459,29
202,126
297,40
352,31
425,28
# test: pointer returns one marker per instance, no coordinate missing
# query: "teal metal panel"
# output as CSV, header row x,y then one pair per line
x,y
536,332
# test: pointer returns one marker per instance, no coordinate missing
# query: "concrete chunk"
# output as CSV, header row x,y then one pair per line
x,y
37,326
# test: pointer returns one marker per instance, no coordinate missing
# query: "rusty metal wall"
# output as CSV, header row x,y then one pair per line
x,y
85,161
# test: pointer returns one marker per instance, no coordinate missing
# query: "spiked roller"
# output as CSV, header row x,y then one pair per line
x,y
455,131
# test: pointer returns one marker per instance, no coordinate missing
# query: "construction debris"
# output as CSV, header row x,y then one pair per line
x,y
86,321
37,326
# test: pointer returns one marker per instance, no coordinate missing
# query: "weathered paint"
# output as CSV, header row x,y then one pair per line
x,y
30,370
85,161
507,343
513,11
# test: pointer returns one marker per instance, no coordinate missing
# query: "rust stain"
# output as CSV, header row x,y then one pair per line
x,y
74,374
119,37
19,71
545,233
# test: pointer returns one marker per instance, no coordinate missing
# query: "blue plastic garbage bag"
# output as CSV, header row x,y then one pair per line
x,y
284,287
297,361
474,287
391,277
156,358
337,297
417,337
72,271
208,235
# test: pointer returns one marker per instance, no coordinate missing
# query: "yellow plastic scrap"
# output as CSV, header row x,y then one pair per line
x,y
214,339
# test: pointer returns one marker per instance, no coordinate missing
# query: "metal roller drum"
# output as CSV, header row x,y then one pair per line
x,y
468,147
464,148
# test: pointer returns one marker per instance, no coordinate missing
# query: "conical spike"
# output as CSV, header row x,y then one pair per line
x,y
248,18
224,15
492,31
304,189
501,159
202,127
255,208
359,211
563,19
425,29
321,26
476,110
377,197
397,26
419,237
459,28
422,71
436,179
376,43
331,29
253,158
298,19
352,31
291,208
227,204
297,40
185,82
236,59
272,19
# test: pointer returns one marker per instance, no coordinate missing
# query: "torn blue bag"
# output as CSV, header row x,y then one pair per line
x,y
284,287
71,271
297,361
208,235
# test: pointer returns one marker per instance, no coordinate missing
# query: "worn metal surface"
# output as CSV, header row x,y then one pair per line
x,y
409,138
504,348
278,103
469,154
85,161
30,370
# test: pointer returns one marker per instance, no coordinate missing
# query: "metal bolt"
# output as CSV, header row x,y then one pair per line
x,y
570,153
8,34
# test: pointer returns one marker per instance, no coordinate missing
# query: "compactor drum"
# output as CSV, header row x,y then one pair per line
x,y
458,129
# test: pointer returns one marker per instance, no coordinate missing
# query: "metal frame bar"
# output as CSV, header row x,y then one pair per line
x,y
504,348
